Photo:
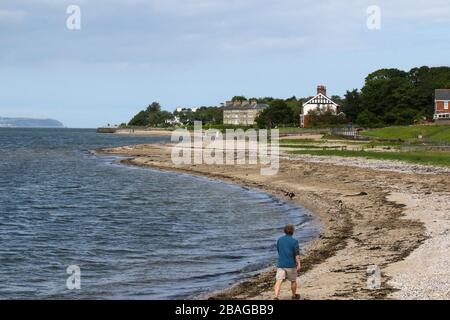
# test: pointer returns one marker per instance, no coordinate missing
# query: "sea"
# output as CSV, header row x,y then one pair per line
x,y
78,225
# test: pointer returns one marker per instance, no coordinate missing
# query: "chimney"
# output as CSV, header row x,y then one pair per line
x,y
322,90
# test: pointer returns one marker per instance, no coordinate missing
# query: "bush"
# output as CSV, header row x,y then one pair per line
x,y
326,117
277,114
368,119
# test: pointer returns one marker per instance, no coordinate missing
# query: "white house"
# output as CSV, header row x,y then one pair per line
x,y
180,109
319,101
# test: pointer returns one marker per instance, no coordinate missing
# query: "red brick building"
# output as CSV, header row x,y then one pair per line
x,y
442,105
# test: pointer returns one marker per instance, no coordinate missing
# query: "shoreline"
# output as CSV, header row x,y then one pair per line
x,y
142,132
246,288
358,231
263,274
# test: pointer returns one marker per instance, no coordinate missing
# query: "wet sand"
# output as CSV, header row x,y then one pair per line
x,y
367,220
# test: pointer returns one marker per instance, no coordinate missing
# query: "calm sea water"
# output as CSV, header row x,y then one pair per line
x,y
135,233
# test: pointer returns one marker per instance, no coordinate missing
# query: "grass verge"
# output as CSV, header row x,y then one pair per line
x,y
411,133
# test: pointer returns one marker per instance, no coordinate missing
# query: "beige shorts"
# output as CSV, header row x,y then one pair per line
x,y
285,273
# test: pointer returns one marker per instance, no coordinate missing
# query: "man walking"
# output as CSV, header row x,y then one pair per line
x,y
288,262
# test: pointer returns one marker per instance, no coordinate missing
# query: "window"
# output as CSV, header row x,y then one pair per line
x,y
446,105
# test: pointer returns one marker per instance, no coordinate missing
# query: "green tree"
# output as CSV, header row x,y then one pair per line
x,y
326,117
209,115
152,116
368,119
159,118
379,93
296,107
351,104
154,107
398,97
141,119
277,114
238,99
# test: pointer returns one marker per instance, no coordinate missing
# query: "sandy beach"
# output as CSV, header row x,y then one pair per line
x,y
374,213
142,132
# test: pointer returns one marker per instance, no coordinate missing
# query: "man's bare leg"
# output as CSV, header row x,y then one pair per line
x,y
294,288
278,288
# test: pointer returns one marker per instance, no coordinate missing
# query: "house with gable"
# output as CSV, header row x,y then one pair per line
x,y
318,102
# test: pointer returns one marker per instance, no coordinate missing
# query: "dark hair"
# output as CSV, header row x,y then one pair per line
x,y
289,229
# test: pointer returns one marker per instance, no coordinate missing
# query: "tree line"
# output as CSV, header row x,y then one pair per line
x,y
395,97
154,116
388,97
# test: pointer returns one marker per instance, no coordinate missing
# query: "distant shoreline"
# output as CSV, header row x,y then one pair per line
x,y
30,123
137,132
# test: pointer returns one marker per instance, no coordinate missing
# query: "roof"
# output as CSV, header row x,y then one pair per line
x,y
442,94
259,106
320,99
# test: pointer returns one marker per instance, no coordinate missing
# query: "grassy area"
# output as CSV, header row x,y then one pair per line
x,y
302,141
297,130
432,158
308,146
411,133
370,144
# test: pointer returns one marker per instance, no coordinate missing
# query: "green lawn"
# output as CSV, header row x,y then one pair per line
x,y
307,146
302,141
297,130
420,157
430,132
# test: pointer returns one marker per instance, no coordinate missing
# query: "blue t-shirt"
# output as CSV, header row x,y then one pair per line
x,y
288,248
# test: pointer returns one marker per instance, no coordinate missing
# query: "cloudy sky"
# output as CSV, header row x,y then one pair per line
x,y
129,53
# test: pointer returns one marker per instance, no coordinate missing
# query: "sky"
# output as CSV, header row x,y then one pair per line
x,y
129,53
